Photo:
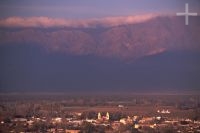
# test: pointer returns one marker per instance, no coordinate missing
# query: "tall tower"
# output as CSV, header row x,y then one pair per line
x,y
99,115
107,116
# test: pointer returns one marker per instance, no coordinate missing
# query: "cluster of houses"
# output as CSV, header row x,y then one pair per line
x,y
163,111
137,122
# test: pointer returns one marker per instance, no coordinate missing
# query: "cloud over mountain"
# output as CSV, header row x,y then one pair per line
x,y
47,22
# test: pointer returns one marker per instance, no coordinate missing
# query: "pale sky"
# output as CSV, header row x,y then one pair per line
x,y
80,9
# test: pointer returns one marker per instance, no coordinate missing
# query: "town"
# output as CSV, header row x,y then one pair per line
x,y
127,114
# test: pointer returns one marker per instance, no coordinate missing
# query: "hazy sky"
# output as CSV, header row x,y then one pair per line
x,y
92,8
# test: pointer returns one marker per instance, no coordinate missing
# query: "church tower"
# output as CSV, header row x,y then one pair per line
x,y
107,116
99,116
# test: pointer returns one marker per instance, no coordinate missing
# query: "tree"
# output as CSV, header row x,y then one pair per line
x,y
87,128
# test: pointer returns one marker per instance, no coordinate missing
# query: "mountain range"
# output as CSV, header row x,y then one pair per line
x,y
161,53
